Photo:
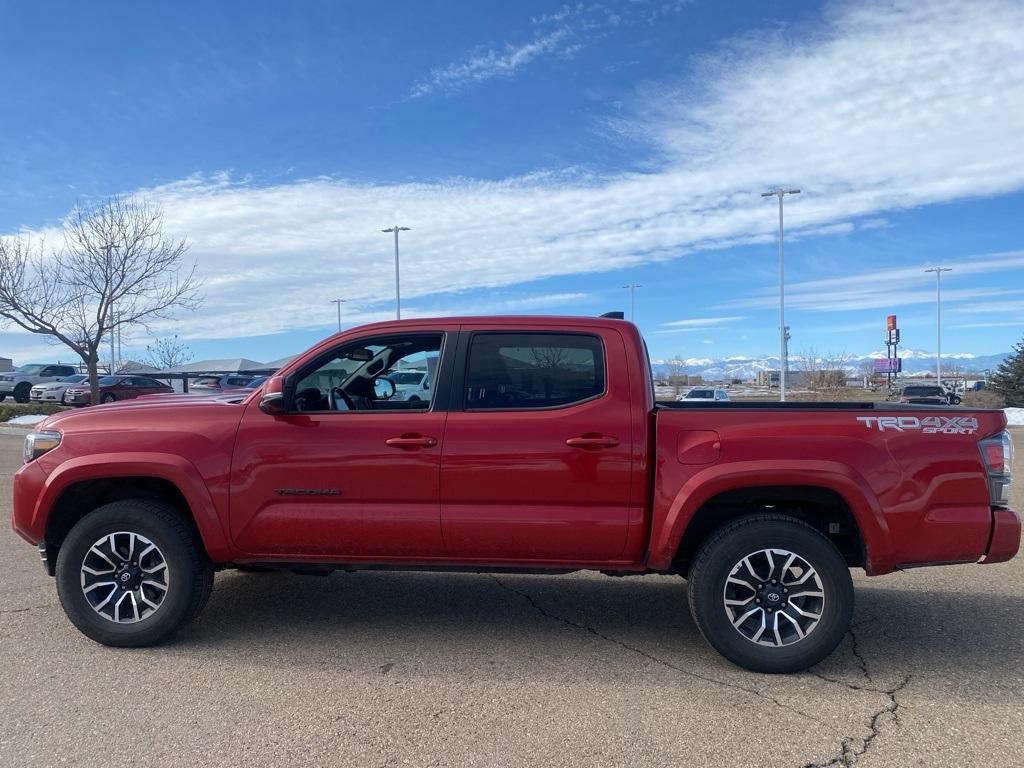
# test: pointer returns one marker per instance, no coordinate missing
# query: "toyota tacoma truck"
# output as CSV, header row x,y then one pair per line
x,y
539,448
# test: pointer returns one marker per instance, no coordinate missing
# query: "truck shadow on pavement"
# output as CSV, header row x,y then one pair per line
x,y
299,619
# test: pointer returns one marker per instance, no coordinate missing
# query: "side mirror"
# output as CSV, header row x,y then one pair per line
x,y
383,388
273,403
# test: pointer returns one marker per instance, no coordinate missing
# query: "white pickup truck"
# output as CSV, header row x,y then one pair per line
x,y
411,386
18,383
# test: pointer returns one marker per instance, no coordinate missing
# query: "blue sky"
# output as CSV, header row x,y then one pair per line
x,y
544,155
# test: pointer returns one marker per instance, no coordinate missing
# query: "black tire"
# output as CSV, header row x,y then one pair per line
x,y
107,398
190,573
2,398
725,549
22,392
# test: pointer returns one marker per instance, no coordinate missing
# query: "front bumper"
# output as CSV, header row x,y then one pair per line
x,y
77,398
6,387
46,396
29,482
1005,540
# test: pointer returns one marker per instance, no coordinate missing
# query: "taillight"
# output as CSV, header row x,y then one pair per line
x,y
997,453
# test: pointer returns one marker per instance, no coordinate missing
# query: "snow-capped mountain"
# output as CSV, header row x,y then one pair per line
x,y
915,362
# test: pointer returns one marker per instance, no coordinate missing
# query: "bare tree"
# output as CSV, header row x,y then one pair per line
x,y
116,269
824,375
675,368
168,352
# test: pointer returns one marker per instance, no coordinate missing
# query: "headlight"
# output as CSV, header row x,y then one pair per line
x,y
38,443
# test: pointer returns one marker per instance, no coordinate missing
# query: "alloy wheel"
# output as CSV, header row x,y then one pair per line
x,y
125,577
773,597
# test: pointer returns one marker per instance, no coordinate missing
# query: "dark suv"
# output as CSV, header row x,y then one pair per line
x,y
924,394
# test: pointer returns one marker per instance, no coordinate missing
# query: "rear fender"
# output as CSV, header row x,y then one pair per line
x,y
670,524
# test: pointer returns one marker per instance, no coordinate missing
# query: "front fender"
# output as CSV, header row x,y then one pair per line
x,y
165,466
670,522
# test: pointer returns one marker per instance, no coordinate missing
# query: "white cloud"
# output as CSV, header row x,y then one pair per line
x,y
486,65
881,106
699,324
561,33
900,286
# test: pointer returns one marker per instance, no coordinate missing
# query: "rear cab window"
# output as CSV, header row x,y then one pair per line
x,y
518,371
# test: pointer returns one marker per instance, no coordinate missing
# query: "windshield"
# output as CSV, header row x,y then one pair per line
x,y
255,383
30,370
109,381
407,377
78,378
704,394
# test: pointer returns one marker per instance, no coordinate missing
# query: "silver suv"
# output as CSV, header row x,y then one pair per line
x,y
18,383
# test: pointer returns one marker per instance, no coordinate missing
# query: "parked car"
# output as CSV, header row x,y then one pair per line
x,y
53,391
924,394
254,383
540,448
116,388
702,395
18,383
411,386
219,382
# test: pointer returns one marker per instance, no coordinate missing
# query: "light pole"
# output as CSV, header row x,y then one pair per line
x,y
780,192
113,339
632,300
938,320
398,294
339,302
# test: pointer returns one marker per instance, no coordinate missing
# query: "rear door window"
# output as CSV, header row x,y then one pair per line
x,y
514,371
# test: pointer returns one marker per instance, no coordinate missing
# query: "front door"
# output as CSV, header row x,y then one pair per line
x,y
352,470
538,454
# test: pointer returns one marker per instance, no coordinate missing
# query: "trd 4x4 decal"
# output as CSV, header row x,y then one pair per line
x,y
931,425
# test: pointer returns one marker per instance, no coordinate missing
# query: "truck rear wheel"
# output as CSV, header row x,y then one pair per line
x,y
132,573
771,594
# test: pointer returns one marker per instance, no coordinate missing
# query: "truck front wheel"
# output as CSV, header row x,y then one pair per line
x,y
771,594
132,573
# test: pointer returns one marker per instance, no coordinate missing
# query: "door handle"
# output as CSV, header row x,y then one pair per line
x,y
411,441
592,441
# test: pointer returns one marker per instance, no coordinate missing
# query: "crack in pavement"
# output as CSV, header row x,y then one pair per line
x,y
28,608
848,754
649,656
855,650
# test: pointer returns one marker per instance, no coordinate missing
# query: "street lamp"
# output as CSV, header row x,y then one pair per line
x,y
398,294
632,300
339,302
780,192
938,320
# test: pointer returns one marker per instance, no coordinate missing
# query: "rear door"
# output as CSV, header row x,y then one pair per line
x,y
538,453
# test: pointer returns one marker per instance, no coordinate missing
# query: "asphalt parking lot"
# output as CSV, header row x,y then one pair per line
x,y
422,669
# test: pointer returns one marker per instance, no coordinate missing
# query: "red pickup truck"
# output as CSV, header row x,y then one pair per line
x,y
539,447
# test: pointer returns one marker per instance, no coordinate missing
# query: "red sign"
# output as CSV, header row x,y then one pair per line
x,y
888,365
890,323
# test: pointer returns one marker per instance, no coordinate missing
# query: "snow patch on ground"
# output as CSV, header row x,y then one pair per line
x,y
1015,417
34,418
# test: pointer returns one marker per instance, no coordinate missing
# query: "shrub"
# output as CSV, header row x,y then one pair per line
x,y
986,398
10,410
